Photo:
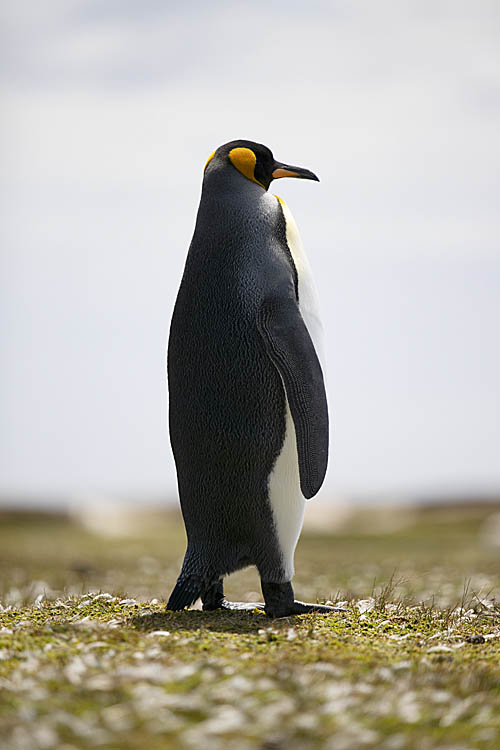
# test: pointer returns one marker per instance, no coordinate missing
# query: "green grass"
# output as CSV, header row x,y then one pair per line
x,y
89,657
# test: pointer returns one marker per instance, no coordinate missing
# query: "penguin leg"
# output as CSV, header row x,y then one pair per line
x,y
280,602
213,598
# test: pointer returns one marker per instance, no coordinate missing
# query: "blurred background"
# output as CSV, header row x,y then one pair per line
x,y
109,111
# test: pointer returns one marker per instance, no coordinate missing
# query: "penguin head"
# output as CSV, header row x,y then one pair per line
x,y
254,161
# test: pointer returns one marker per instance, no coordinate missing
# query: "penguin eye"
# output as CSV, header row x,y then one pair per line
x,y
244,160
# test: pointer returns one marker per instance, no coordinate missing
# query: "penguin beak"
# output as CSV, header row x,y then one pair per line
x,y
285,170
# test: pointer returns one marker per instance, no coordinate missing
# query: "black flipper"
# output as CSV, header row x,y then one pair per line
x,y
289,346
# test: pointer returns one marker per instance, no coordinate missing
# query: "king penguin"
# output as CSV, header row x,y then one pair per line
x,y
248,413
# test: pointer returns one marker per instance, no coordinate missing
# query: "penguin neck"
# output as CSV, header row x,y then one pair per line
x,y
231,187
234,216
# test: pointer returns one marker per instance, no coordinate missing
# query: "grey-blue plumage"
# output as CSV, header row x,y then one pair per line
x,y
247,407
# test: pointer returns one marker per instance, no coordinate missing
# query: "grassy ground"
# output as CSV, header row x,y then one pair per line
x,y
89,658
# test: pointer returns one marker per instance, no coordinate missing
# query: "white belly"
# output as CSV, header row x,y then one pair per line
x,y
285,496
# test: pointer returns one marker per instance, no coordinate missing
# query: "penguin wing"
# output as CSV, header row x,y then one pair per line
x,y
292,351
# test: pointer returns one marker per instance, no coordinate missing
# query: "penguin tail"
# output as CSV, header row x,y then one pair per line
x,y
186,591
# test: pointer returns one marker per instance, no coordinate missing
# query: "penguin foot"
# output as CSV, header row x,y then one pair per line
x,y
233,606
280,602
213,598
302,608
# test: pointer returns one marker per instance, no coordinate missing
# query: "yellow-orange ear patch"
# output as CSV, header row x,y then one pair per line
x,y
209,160
245,160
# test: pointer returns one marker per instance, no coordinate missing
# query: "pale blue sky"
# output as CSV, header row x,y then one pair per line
x,y
110,111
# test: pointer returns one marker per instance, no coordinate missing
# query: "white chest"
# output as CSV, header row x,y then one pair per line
x,y
285,496
308,296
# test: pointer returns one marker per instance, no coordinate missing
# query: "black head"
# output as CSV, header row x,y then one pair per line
x,y
255,162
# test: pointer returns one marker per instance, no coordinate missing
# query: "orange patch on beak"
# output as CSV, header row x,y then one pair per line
x,y
284,173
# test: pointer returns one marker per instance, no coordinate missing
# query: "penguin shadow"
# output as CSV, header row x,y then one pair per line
x,y
219,621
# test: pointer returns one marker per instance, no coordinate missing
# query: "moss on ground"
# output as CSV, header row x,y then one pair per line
x,y
414,662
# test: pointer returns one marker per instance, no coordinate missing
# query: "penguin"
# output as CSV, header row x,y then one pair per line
x,y
248,413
